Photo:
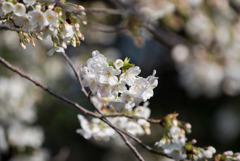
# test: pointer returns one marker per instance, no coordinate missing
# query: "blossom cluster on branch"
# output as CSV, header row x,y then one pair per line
x,y
117,92
32,19
116,87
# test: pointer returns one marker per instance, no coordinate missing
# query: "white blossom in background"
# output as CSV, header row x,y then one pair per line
x,y
22,136
3,141
154,9
15,104
17,113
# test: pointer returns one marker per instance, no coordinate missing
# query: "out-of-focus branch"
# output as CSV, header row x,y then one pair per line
x,y
77,75
163,36
106,28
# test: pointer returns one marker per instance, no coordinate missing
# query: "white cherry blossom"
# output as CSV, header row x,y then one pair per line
x,y
134,128
67,33
38,19
85,131
90,80
142,111
130,76
175,132
19,9
97,63
7,7
52,17
109,75
23,21
118,63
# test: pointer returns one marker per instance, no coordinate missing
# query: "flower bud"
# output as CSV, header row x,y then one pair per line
x,y
77,26
38,37
22,44
64,45
32,42
73,42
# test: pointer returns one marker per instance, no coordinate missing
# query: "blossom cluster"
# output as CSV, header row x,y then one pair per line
x,y
41,20
227,156
210,66
17,113
116,88
174,142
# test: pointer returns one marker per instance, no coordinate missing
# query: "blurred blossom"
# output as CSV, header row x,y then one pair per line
x,y
3,141
180,53
155,9
17,113
200,27
16,104
195,3
201,77
21,136
223,34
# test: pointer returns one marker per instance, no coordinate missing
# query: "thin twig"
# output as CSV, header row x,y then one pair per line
x,y
106,28
77,74
122,135
118,130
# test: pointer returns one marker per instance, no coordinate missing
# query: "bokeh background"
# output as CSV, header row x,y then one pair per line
x,y
197,95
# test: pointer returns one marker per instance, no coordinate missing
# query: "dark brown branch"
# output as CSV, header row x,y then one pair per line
x,y
77,74
137,140
164,36
121,132
122,135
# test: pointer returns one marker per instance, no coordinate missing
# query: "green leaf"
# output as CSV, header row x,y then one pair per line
x,y
126,63
111,63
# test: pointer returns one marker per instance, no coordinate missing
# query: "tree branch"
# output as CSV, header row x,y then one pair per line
x,y
121,132
45,88
122,135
